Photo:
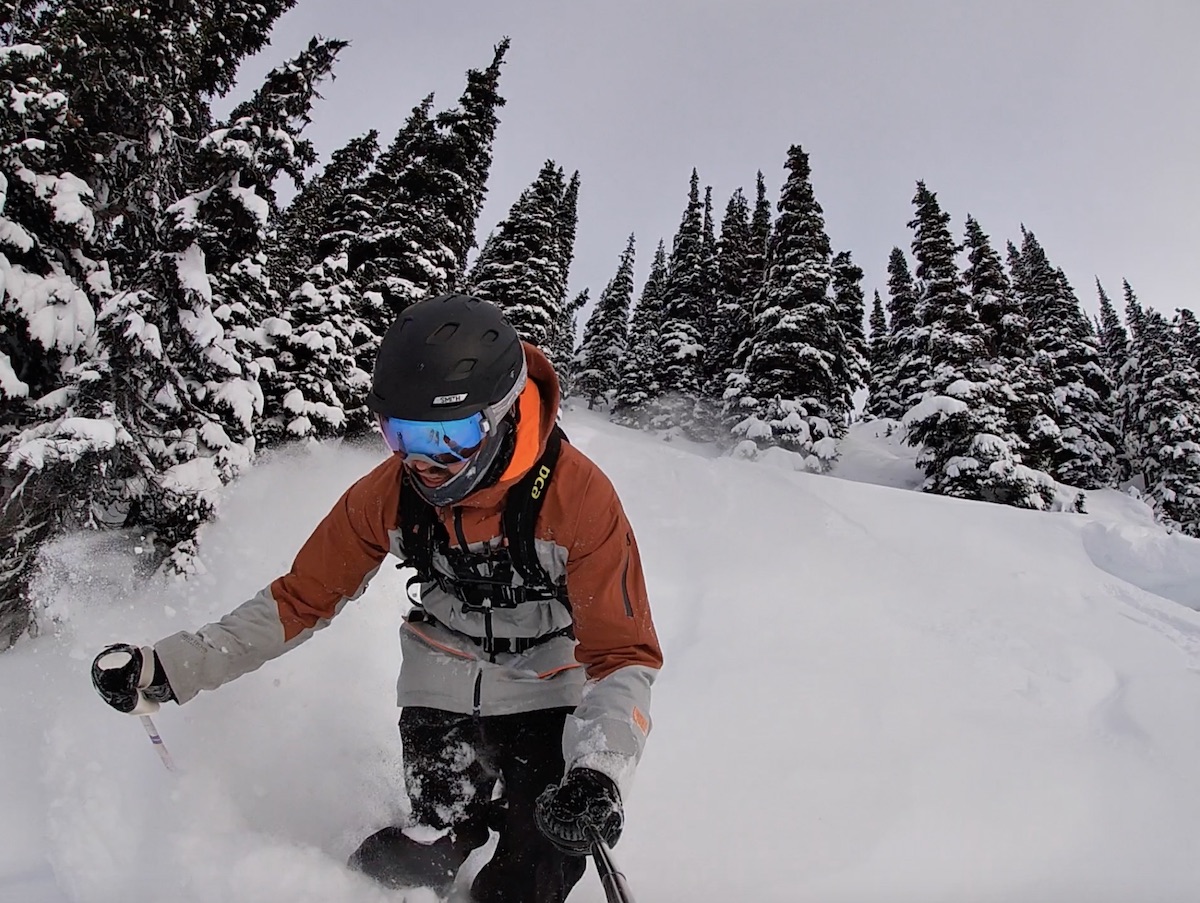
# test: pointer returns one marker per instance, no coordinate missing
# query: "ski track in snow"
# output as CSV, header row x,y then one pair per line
x,y
870,695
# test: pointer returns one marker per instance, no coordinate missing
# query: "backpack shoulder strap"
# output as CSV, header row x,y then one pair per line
x,y
521,512
418,527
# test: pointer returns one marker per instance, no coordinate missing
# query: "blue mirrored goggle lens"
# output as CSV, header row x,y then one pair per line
x,y
442,441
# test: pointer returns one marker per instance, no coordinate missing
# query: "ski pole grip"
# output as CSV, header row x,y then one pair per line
x,y
120,657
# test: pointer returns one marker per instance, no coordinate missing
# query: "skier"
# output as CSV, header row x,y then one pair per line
x,y
531,587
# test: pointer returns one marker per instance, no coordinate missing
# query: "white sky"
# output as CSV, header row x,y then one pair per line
x,y
1000,705
1078,117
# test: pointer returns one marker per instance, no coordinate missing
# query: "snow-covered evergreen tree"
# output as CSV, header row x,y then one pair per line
x,y
899,386
427,190
1116,348
1129,391
168,412
638,386
562,345
685,293
1114,339
851,365
1025,392
879,359
1187,328
960,423
736,284
710,284
233,31
386,258
1165,418
18,22
142,117
233,217
50,277
303,234
568,223
127,92
141,78
605,337
1135,316
1069,355
760,237
736,404
702,423
522,273
1005,328
463,160
1016,270
317,389
790,369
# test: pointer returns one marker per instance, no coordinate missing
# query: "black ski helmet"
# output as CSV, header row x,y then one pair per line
x,y
446,358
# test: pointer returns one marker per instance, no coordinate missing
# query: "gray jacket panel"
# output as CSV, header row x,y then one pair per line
x,y
242,641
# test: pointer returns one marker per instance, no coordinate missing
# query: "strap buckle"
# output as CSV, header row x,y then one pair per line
x,y
499,645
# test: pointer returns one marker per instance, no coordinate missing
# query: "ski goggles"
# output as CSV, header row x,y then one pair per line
x,y
442,442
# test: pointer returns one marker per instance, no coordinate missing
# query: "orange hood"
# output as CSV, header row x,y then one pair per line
x,y
537,409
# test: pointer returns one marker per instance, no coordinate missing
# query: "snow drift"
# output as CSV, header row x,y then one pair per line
x,y
869,695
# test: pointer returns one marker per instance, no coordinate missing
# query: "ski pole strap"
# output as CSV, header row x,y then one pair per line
x,y
159,746
616,888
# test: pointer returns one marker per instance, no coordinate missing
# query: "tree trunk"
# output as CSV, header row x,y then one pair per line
x,y
30,512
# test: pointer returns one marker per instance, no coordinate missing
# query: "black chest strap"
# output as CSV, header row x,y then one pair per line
x,y
421,531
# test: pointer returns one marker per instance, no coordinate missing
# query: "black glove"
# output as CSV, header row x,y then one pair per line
x,y
584,802
130,679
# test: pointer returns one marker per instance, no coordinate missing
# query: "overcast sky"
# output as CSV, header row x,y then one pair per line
x,y
1078,118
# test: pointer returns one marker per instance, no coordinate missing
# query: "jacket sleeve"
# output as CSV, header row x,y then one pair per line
x,y
616,639
333,567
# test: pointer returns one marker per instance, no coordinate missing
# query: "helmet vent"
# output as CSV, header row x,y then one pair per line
x,y
462,369
444,334
490,336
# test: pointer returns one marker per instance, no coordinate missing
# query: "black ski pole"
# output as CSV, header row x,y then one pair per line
x,y
616,889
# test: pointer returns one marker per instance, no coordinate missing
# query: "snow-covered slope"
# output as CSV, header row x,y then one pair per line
x,y
870,695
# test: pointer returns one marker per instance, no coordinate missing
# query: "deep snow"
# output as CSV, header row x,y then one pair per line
x,y
869,695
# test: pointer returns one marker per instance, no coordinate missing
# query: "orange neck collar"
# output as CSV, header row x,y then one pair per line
x,y
529,434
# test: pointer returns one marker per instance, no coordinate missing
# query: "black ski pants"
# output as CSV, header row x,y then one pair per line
x,y
452,764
